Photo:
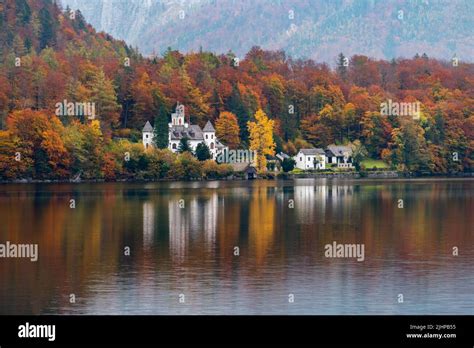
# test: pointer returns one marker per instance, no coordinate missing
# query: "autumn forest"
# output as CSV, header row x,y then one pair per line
x,y
49,55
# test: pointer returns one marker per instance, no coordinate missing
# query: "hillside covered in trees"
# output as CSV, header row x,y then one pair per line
x,y
49,55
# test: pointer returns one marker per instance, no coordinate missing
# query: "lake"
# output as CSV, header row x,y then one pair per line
x,y
239,247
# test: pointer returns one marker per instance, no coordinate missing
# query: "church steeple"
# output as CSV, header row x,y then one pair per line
x,y
177,118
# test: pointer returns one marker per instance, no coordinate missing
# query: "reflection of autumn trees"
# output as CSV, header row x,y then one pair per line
x,y
33,217
73,243
81,249
230,222
261,222
428,225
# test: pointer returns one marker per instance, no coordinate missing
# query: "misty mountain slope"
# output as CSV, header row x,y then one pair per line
x,y
318,29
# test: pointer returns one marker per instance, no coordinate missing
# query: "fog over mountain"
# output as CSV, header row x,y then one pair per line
x,y
318,29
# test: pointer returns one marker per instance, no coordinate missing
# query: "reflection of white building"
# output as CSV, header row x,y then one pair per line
x,y
194,223
211,209
315,199
178,229
179,129
341,200
310,203
148,224
339,191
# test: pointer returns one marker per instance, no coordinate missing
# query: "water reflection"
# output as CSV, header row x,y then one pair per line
x,y
178,229
182,238
148,224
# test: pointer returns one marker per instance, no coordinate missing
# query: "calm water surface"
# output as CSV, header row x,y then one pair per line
x,y
190,250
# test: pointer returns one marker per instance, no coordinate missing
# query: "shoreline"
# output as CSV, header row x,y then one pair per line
x,y
392,175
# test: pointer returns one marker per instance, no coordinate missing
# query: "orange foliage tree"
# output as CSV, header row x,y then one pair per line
x,y
227,129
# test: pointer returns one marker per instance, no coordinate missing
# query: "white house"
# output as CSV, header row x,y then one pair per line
x,y
307,159
339,155
179,128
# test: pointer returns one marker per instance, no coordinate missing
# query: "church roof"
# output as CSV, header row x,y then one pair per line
x,y
148,127
193,132
208,127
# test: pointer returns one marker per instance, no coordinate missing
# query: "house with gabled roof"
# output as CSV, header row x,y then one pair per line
x,y
178,128
340,155
308,159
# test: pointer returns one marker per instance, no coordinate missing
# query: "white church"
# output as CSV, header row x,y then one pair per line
x,y
179,128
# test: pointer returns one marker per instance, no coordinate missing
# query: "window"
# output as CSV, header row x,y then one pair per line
x,y
212,146
146,136
212,136
301,159
173,146
207,136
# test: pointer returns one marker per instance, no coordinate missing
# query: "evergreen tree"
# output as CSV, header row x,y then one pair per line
x,y
23,11
278,143
342,66
160,129
80,22
216,103
288,124
288,164
184,145
202,152
236,106
48,30
440,127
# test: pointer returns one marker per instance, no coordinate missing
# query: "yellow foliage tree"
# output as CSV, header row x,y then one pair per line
x,y
261,138
227,129
15,156
95,129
